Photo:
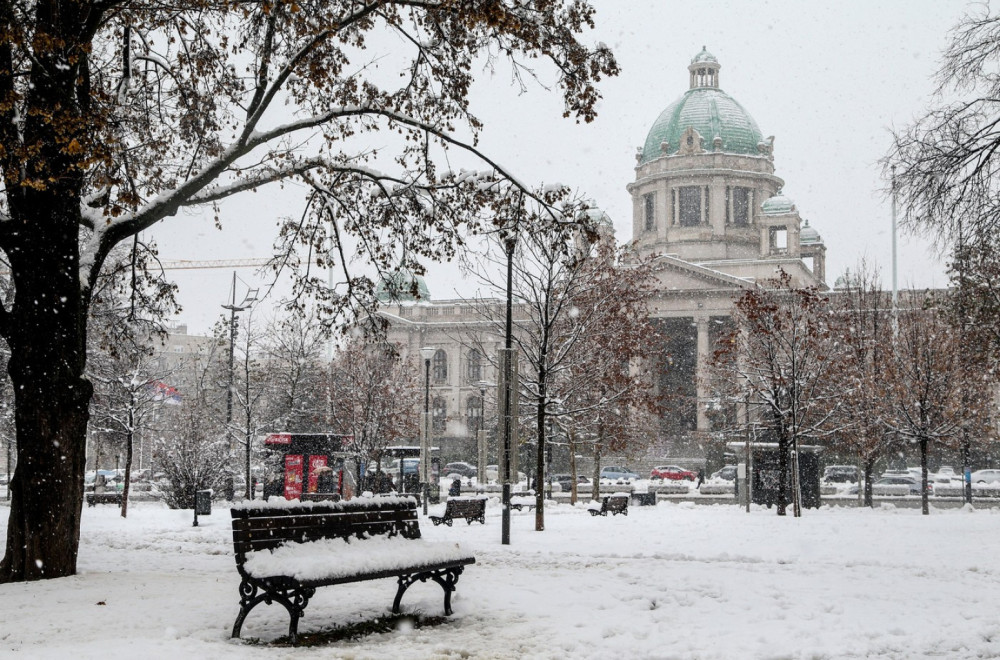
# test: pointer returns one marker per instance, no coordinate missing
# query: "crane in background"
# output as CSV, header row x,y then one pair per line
x,y
189,264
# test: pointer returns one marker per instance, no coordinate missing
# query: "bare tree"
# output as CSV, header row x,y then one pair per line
x,y
374,393
298,368
864,331
929,402
779,360
118,115
943,167
582,328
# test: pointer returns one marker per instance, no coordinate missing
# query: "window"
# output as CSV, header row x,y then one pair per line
x,y
474,414
779,240
440,364
474,367
689,206
741,206
439,414
649,202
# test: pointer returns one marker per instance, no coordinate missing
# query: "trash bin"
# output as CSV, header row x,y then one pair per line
x,y
203,502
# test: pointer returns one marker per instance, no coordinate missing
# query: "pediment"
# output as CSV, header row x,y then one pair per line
x,y
678,275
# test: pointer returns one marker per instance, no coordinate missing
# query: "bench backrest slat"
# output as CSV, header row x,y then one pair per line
x,y
458,508
263,529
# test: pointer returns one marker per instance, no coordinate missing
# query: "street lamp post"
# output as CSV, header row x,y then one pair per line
x,y
481,453
248,300
508,375
427,352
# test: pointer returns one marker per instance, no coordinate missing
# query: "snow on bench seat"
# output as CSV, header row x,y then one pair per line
x,y
332,559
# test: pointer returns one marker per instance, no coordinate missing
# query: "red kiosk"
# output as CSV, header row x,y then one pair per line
x,y
310,463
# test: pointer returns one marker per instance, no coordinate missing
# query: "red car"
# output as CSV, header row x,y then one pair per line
x,y
672,472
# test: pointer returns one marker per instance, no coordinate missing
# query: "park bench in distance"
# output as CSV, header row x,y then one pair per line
x,y
470,508
93,499
523,501
613,504
286,550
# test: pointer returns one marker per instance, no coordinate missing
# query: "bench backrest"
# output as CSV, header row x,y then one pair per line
x,y
263,527
460,508
615,503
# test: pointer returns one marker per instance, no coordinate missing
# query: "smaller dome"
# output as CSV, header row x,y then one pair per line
x,y
596,215
402,286
809,236
704,56
778,205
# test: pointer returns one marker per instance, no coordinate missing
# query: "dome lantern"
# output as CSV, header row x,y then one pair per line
x,y
704,70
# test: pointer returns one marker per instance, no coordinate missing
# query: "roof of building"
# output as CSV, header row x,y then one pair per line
x,y
704,56
777,205
808,235
712,113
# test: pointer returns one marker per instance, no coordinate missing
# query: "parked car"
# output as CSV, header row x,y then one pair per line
x,y
493,475
460,468
728,473
986,476
888,485
565,481
672,472
617,472
840,474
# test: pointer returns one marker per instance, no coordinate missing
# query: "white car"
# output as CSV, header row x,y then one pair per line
x,y
986,476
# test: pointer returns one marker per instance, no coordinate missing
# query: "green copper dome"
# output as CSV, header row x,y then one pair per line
x,y
777,205
704,56
708,110
712,113
402,286
809,236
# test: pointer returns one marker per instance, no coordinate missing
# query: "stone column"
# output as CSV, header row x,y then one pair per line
x,y
701,373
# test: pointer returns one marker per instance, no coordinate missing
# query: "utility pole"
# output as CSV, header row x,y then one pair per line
x,y
233,308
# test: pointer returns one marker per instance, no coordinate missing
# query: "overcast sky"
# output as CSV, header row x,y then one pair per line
x,y
827,79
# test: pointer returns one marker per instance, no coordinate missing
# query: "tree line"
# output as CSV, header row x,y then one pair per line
x,y
853,372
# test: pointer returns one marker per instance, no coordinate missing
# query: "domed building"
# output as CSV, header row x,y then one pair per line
x,y
706,199
707,203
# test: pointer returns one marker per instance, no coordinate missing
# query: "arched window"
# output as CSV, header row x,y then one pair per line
x,y
439,414
474,414
474,367
440,364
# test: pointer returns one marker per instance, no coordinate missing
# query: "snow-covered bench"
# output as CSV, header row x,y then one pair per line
x,y
107,497
613,504
470,508
519,502
285,550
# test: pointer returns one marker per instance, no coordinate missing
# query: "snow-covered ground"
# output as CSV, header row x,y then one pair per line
x,y
671,581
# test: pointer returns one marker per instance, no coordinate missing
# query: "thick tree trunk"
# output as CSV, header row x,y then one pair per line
x,y
572,467
46,326
129,443
869,469
52,398
924,504
540,463
595,493
783,480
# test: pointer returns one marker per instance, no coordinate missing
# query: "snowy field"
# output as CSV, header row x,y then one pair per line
x,y
671,581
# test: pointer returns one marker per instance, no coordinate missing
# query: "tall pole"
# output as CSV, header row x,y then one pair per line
x,y
424,464
966,448
509,243
895,290
232,349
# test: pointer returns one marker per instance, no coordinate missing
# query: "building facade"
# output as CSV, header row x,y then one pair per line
x,y
707,205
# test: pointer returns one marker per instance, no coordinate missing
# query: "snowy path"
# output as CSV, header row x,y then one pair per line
x,y
672,581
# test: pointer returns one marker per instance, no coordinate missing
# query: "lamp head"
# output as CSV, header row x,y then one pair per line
x,y
427,352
